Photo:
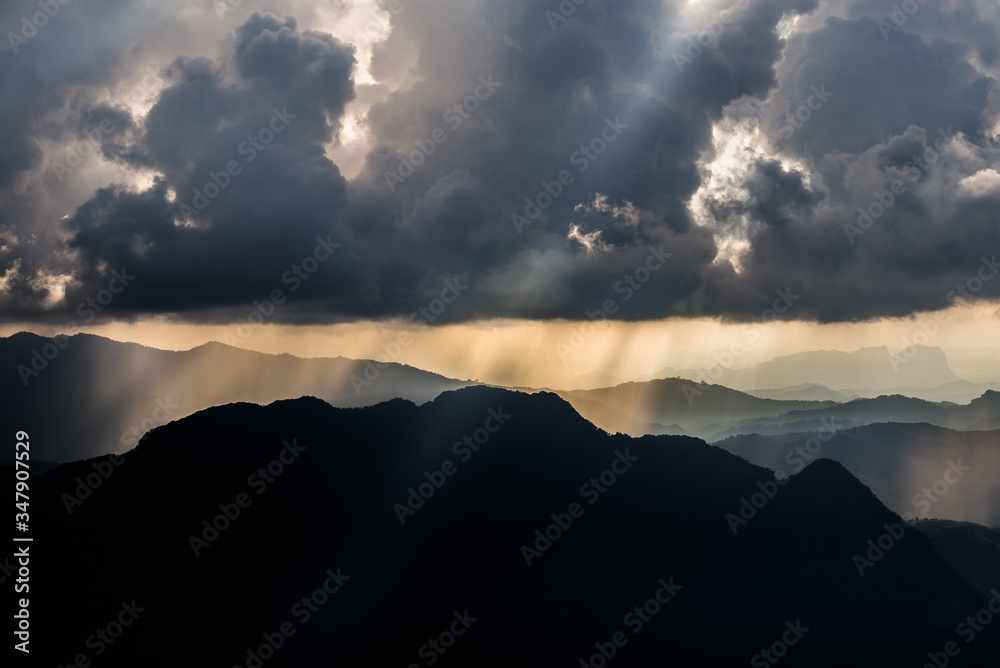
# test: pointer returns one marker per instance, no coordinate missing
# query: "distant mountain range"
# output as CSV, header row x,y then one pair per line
x,y
981,413
98,396
806,392
873,368
975,363
960,391
700,410
714,412
920,469
109,394
921,372
500,515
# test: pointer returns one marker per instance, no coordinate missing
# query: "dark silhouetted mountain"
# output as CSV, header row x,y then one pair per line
x,y
661,520
972,550
38,466
900,463
108,394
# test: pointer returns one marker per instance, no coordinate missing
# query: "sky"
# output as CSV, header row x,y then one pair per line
x,y
487,176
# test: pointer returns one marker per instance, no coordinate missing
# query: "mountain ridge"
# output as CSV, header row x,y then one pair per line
x,y
336,505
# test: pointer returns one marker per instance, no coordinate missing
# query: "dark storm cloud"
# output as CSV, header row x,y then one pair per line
x,y
45,71
879,86
905,113
542,162
559,88
245,161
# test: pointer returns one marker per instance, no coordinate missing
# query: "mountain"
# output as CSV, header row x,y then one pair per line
x,y
807,392
873,369
977,414
715,412
614,421
901,463
975,363
972,550
986,424
701,410
318,536
108,394
959,391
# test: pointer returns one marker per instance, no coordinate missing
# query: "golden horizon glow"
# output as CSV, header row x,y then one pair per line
x,y
557,354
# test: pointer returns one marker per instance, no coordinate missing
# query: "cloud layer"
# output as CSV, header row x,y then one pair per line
x,y
537,154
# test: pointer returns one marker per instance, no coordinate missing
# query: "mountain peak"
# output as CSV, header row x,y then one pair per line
x,y
826,489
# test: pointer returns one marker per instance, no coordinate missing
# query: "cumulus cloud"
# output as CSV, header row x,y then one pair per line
x,y
539,160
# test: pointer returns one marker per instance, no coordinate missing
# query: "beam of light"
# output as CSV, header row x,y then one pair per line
x,y
525,353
